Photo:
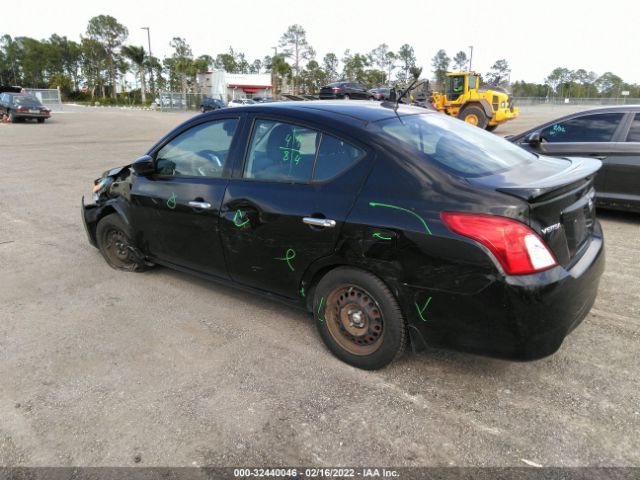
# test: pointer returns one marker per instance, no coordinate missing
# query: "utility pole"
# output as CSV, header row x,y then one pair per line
x,y
150,55
470,56
273,74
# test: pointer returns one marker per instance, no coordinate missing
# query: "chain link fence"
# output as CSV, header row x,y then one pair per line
x,y
575,101
177,101
50,97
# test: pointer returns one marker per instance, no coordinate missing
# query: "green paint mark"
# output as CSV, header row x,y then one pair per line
x,y
302,292
381,237
237,219
421,310
321,318
288,256
171,202
426,227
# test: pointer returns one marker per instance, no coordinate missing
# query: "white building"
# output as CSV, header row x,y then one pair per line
x,y
227,86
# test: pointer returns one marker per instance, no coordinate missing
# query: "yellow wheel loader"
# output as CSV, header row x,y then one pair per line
x,y
486,106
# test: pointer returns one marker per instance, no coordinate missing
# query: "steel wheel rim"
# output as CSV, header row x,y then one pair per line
x,y
117,247
354,320
471,119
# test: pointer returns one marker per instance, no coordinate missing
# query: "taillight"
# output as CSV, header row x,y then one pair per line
x,y
517,247
22,109
335,88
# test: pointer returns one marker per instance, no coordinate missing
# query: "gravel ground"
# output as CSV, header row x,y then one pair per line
x,y
103,368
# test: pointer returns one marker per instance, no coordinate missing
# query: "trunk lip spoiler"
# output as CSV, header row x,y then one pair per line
x,y
580,171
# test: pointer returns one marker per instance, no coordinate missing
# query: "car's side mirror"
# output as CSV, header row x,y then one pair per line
x,y
145,165
534,139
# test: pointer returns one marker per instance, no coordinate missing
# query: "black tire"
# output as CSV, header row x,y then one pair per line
x,y
491,128
474,116
379,335
12,117
114,242
41,120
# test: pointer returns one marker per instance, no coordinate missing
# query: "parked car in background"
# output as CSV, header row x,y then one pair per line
x,y
610,134
211,104
388,225
239,102
261,99
345,90
381,93
21,107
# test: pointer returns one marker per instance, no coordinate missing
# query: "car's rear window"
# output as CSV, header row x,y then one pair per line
x,y
27,101
461,148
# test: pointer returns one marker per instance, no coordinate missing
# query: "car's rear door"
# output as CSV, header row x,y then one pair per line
x,y
287,202
622,184
175,212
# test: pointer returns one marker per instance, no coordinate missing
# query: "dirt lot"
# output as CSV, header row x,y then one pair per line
x,y
99,366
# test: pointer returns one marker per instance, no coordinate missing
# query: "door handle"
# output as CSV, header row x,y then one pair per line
x,y
195,204
319,222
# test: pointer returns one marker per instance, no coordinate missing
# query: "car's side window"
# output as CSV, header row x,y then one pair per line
x,y
634,131
590,128
334,157
201,151
281,152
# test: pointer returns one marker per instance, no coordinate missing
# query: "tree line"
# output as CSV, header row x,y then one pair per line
x,y
92,67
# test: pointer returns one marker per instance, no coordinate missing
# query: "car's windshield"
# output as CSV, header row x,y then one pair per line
x,y
461,148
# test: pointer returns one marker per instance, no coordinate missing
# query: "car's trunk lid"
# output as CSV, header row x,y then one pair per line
x,y
561,200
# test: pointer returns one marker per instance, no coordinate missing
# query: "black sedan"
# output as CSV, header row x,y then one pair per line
x,y
381,93
610,134
20,107
211,104
345,91
388,225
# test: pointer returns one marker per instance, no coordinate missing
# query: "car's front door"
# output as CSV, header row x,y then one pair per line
x,y
590,135
287,203
175,212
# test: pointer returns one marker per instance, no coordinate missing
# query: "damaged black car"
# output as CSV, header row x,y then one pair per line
x,y
393,226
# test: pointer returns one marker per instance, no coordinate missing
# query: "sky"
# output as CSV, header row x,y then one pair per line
x,y
534,37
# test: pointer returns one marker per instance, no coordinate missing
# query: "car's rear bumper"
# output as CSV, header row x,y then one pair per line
x,y
517,317
31,115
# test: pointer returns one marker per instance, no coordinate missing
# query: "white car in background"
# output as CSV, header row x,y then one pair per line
x,y
239,102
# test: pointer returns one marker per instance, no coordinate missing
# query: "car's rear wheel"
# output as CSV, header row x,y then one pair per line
x,y
359,318
41,120
12,117
116,246
474,116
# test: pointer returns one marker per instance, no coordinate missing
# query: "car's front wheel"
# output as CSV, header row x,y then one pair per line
x,y
116,246
359,319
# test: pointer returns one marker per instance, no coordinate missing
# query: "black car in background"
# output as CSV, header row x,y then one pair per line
x,y
388,225
381,93
21,107
344,90
211,104
261,99
610,134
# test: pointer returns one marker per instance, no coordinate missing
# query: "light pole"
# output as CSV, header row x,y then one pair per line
x,y
470,56
273,74
150,55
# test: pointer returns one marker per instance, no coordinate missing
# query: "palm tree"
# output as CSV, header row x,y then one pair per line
x,y
138,57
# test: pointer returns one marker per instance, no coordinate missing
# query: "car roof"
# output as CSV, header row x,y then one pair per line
x,y
363,111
